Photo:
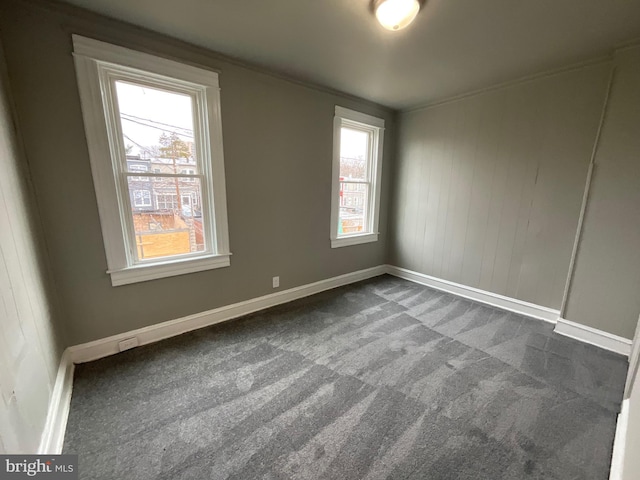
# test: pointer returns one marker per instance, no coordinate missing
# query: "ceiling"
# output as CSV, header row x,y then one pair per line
x,y
453,47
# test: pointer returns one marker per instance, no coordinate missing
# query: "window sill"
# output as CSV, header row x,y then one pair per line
x,y
353,240
143,273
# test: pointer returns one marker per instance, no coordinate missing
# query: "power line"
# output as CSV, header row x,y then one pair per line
x,y
155,121
158,128
138,145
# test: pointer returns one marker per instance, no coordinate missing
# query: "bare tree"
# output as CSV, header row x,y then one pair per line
x,y
174,148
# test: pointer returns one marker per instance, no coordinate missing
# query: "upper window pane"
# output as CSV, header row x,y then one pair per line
x,y
354,150
157,124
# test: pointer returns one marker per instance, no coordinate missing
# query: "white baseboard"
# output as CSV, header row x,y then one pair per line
x,y
564,327
619,443
482,296
596,337
87,352
53,435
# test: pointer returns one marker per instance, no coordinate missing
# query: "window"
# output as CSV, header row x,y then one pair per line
x,y
148,114
167,201
141,198
188,171
139,168
357,168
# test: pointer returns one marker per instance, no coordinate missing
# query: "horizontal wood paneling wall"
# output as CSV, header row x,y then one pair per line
x,y
488,188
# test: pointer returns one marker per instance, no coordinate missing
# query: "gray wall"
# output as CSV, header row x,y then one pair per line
x,y
278,147
29,349
605,289
488,188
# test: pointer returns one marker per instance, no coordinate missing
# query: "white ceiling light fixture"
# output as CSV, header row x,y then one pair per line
x,y
396,14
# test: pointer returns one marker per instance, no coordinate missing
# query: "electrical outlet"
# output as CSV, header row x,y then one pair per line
x,y
276,282
128,344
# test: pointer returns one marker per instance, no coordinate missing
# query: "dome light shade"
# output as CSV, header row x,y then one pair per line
x,y
396,14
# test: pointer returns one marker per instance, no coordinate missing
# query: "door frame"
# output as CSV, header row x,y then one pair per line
x,y
634,362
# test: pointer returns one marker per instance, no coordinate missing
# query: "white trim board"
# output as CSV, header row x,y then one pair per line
x,y
52,438
505,303
87,352
619,443
53,435
593,336
564,327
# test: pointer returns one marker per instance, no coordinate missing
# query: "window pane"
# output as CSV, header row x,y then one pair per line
x,y
354,149
352,216
141,198
158,135
167,216
157,129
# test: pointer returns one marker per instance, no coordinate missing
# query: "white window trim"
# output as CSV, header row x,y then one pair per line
x,y
370,123
93,60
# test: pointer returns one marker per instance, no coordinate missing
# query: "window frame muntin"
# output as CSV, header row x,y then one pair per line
x,y
359,121
92,59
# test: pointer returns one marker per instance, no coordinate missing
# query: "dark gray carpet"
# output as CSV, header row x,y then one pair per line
x,y
381,379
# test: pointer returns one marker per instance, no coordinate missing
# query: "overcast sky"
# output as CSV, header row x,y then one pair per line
x,y
170,112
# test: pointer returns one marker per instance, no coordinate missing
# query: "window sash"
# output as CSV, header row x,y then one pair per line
x,y
121,168
165,175
356,182
138,169
372,134
374,128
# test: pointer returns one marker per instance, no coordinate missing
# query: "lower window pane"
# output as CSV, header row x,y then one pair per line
x,y
352,217
167,216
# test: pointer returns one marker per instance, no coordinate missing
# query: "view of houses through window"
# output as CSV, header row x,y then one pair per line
x,y
162,171
354,150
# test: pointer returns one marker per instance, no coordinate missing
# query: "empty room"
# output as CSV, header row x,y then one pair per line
x,y
340,239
